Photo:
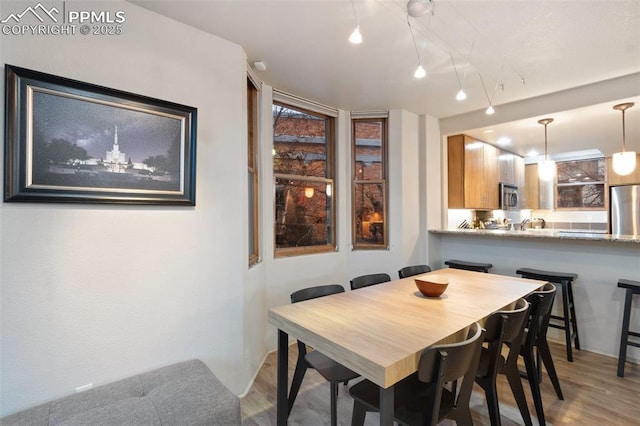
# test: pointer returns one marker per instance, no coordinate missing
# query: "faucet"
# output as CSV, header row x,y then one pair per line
x,y
524,223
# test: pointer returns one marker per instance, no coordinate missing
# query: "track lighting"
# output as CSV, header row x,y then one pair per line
x,y
420,72
356,36
461,95
417,8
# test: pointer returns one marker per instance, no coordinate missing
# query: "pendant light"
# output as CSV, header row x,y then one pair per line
x,y
624,162
461,96
546,167
420,72
356,36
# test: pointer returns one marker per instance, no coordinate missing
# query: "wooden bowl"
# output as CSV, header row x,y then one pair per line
x,y
432,285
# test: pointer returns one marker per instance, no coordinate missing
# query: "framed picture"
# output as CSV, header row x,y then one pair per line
x,y
69,141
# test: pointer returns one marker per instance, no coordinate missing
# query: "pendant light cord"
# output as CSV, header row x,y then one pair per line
x,y
414,41
624,142
355,13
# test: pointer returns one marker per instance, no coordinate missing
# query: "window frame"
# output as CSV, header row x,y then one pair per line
x,y
384,181
253,132
328,179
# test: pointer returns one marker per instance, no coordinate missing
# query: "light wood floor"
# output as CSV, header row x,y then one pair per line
x,y
593,395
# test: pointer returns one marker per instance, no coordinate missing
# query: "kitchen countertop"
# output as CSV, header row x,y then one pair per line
x,y
543,233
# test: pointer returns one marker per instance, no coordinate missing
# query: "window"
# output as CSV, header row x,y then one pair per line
x,y
252,167
303,170
581,184
369,194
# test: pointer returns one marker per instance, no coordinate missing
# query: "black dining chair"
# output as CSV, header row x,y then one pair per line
x,y
535,348
503,329
409,271
422,398
331,370
369,279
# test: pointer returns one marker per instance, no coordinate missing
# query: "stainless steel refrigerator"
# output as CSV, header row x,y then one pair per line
x,y
625,210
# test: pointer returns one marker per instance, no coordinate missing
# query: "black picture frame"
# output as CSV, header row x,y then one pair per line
x,y
74,142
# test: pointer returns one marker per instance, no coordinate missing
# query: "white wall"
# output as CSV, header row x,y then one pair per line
x,y
95,293
92,293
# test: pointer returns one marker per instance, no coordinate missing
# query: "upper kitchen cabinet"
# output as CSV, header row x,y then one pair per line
x,y
531,187
507,167
615,179
518,167
472,174
581,184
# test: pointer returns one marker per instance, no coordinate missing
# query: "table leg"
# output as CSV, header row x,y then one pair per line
x,y
386,406
282,411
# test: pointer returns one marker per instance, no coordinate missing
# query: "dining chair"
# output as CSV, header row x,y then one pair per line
x,y
422,398
503,329
331,370
535,347
409,271
369,279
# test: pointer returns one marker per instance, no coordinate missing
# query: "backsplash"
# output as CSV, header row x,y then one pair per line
x,y
578,226
563,220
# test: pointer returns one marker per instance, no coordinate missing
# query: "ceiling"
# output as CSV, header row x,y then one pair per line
x,y
505,53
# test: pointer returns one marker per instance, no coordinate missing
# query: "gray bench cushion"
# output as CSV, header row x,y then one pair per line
x,y
180,394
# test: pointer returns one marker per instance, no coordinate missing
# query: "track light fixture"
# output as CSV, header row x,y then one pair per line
x,y
461,96
489,110
356,36
420,72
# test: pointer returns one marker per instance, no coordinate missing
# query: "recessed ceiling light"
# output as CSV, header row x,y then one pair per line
x,y
504,141
532,153
488,131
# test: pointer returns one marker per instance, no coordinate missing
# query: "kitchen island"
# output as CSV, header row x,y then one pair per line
x,y
600,260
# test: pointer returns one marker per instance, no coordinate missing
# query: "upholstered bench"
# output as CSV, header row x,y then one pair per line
x,y
186,393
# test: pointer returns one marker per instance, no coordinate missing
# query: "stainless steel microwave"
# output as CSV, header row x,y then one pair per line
x,y
508,197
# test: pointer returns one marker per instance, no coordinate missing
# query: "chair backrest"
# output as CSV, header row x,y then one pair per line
x,y
504,327
445,363
314,292
370,279
458,358
409,271
541,302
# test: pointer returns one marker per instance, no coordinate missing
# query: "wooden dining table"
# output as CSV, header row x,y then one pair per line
x,y
380,331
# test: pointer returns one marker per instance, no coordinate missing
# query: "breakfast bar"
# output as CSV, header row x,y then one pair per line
x,y
600,260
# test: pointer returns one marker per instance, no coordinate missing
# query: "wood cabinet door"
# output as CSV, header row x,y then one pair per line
x,y
531,187
491,173
474,185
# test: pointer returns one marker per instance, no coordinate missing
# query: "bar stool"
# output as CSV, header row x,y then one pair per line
x,y
468,266
568,321
632,287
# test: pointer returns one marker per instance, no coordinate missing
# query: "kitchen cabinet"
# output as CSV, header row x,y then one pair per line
x,y
531,187
615,179
507,167
472,174
539,194
518,166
